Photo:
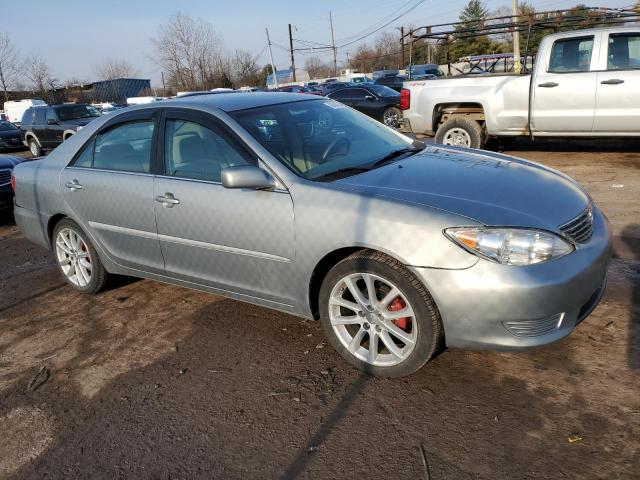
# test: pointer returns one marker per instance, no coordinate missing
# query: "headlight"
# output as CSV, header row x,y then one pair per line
x,y
511,246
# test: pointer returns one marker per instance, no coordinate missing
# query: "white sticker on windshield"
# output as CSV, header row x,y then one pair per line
x,y
334,104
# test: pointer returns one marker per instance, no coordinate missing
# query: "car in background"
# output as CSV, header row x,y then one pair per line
x,y
428,71
9,136
327,88
377,101
7,162
294,89
392,81
46,127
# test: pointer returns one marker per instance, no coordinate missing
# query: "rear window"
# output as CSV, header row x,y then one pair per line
x,y
27,117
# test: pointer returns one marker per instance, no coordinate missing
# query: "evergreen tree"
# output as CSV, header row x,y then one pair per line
x,y
472,18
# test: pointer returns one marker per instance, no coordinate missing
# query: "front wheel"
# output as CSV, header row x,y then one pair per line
x,y
77,259
461,132
391,117
378,315
34,148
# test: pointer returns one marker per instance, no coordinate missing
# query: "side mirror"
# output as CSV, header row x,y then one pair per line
x,y
52,121
371,98
247,176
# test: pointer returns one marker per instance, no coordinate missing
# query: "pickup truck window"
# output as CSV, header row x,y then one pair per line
x,y
624,51
571,55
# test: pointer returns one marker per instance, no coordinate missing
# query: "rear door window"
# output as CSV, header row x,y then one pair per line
x,y
126,147
624,51
571,55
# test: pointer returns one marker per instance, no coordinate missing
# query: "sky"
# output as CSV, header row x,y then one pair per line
x,y
74,36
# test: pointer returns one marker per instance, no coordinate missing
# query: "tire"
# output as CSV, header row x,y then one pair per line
x,y
69,256
34,147
391,117
421,327
461,132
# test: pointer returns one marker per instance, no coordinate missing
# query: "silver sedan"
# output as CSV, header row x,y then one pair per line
x,y
301,204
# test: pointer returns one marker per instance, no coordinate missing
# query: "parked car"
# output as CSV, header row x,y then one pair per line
x,y
46,127
294,89
377,101
14,110
7,162
584,84
9,136
393,81
327,88
300,204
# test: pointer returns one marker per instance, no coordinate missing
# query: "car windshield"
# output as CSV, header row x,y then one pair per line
x,y
323,139
5,126
383,91
73,112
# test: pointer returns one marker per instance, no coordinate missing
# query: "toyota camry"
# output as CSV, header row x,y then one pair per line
x,y
304,205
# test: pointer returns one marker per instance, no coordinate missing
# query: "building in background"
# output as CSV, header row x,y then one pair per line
x,y
285,77
115,91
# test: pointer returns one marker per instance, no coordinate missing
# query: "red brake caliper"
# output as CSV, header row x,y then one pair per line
x,y
396,305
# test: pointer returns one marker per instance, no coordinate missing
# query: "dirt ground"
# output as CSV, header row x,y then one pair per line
x,y
148,380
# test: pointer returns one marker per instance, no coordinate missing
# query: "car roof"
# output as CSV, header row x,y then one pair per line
x,y
230,102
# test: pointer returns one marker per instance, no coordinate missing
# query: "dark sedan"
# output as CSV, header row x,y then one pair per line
x,y
7,162
9,136
377,101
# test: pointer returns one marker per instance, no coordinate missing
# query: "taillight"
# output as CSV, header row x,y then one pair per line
x,y
13,183
405,99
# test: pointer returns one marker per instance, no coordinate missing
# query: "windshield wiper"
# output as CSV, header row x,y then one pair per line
x,y
394,155
341,173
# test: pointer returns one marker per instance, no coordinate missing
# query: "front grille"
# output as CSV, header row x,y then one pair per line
x,y
533,328
580,228
5,177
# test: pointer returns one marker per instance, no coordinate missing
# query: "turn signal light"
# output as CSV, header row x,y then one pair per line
x,y
405,99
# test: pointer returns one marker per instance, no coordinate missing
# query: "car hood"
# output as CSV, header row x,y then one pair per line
x,y
489,188
80,122
9,161
9,133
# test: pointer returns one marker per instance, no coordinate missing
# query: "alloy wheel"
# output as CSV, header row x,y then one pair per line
x,y
373,319
391,118
73,257
457,137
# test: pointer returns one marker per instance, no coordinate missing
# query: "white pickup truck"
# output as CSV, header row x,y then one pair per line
x,y
585,83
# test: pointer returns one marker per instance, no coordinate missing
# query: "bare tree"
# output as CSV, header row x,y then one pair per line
x,y
37,71
8,64
111,69
190,52
245,70
317,68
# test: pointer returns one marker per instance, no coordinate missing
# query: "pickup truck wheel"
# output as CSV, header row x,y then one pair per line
x,y
34,148
461,132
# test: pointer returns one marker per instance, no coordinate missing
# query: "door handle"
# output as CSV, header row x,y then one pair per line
x,y
548,84
612,81
73,186
167,200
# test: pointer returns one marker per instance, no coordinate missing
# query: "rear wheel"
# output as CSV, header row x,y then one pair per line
x,y
77,259
391,117
378,315
461,132
34,147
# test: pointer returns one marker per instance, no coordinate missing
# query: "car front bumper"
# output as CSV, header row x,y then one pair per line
x,y
493,306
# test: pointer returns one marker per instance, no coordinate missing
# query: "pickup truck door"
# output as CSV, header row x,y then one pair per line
x,y
618,85
564,89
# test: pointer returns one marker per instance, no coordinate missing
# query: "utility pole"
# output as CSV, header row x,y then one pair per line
x,y
410,52
293,61
517,65
164,88
402,45
273,67
333,44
